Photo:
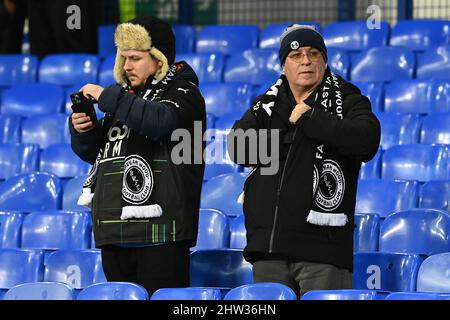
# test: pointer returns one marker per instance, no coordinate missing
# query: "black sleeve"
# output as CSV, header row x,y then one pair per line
x,y
86,145
356,136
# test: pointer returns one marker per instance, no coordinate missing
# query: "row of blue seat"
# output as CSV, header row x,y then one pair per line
x,y
352,35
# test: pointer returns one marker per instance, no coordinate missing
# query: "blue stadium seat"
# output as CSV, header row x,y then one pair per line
x,y
10,128
350,294
32,99
113,291
76,268
105,74
355,35
226,122
433,274
435,194
366,232
420,35
71,192
31,192
210,121
55,230
69,69
375,92
213,230
19,266
17,69
261,291
417,96
386,271
238,233
383,64
16,158
419,231
222,193
371,196
434,63
220,268
40,291
398,128
255,66
185,38
106,44
45,130
416,162
372,169
190,293
60,160
217,159
339,62
223,98
270,35
417,296
435,129
207,66
10,229
227,39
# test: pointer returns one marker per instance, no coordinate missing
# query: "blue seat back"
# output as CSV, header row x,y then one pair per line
x,y
434,63
419,231
76,268
55,230
416,162
420,34
71,192
399,128
270,35
435,129
207,66
225,123
106,44
339,62
187,294
40,291
17,69
372,197
45,130
386,271
31,192
372,169
213,230
383,64
217,159
220,268
60,160
40,98
106,72
230,186
417,296
355,35
223,98
11,229
366,232
19,266
433,274
185,38
69,69
350,294
375,92
261,291
255,66
227,39
113,291
435,194
10,126
238,233
16,158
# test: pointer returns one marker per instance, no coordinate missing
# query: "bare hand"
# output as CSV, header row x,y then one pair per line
x,y
92,90
298,111
81,122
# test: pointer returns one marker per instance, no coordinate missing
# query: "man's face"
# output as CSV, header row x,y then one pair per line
x,y
304,68
139,66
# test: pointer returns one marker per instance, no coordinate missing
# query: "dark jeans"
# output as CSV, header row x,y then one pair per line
x,y
153,267
302,276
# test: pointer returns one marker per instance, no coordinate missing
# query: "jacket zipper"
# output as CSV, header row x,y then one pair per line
x,y
280,184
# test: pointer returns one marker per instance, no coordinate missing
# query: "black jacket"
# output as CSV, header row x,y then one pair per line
x,y
135,128
286,233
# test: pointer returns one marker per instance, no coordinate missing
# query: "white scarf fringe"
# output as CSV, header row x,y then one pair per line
x,y
327,219
150,211
85,198
240,199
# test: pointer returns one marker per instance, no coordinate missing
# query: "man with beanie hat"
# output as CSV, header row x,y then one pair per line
x,y
300,221
144,206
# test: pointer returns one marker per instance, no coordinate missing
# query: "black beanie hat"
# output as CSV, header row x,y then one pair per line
x,y
297,36
145,33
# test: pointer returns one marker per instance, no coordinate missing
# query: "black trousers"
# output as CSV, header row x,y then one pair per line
x,y
153,267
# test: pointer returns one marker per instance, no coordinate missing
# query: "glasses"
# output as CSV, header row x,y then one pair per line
x,y
313,55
